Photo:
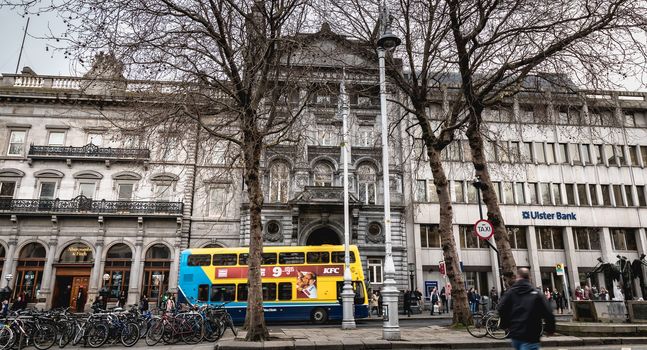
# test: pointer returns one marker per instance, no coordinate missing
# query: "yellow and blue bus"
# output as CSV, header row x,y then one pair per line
x,y
299,283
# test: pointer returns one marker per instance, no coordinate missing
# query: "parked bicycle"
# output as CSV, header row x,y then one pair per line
x,y
487,324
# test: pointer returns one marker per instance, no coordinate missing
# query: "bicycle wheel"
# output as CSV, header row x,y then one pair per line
x,y
65,333
211,331
97,334
193,330
155,332
129,334
44,336
478,327
6,338
493,328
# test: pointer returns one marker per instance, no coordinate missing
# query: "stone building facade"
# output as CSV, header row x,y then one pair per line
x,y
86,206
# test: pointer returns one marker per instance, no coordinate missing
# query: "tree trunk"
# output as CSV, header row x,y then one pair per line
x,y
508,265
450,254
255,317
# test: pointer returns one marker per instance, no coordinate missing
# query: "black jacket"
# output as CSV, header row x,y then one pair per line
x,y
522,309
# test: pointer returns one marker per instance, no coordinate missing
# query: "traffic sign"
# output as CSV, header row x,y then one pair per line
x,y
559,269
483,229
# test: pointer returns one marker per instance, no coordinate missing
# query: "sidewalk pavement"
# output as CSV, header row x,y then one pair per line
x,y
436,337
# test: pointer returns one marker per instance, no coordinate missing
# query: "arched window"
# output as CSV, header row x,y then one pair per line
x,y
116,275
29,270
323,174
157,266
212,245
279,182
366,179
76,253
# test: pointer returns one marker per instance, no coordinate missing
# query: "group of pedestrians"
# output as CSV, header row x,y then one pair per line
x,y
440,300
591,293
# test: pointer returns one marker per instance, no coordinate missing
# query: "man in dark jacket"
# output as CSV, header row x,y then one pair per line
x,y
522,309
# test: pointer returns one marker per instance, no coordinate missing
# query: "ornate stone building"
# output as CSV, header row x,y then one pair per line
x,y
85,205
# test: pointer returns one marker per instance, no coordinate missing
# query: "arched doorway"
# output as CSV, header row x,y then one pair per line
x,y
157,266
29,271
73,276
117,267
323,235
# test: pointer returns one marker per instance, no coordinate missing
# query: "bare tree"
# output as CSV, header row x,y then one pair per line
x,y
230,63
501,45
424,30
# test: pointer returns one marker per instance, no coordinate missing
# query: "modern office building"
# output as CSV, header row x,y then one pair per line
x,y
570,176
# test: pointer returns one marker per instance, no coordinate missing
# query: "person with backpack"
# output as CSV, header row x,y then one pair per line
x,y
522,310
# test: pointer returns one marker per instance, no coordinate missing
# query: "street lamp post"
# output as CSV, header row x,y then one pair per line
x,y
412,270
391,327
347,295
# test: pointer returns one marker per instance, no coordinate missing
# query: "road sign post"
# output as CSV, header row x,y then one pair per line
x,y
484,229
560,271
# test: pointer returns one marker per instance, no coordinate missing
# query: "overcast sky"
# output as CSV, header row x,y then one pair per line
x,y
53,62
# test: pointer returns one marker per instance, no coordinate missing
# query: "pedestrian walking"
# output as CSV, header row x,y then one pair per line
x,y
470,299
443,301
448,294
477,301
434,300
121,301
143,303
559,302
407,303
494,298
170,304
522,310
380,303
80,300
374,304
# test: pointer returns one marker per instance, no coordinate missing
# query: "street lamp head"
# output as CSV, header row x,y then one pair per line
x,y
477,182
412,267
388,41
106,277
600,260
8,277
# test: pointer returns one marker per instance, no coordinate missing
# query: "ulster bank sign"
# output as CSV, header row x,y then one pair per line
x,y
543,215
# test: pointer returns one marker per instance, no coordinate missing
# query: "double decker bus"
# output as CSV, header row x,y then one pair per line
x,y
299,283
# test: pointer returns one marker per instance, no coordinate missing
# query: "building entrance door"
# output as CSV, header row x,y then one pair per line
x,y
70,283
324,235
79,292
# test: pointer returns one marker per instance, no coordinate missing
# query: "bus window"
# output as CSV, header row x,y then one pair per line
x,y
269,291
199,260
285,291
266,259
292,258
223,292
242,292
203,292
318,257
338,257
224,259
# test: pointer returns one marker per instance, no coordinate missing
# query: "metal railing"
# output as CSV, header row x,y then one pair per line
x,y
82,204
88,151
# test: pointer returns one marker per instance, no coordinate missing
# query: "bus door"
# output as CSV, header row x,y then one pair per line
x,y
358,288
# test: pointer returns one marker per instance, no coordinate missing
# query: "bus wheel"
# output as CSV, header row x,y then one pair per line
x,y
319,316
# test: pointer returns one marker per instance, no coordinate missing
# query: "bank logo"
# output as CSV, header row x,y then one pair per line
x,y
543,215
